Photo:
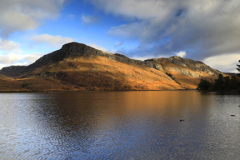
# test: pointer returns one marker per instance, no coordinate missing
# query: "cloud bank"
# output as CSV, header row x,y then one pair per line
x,y
17,59
181,54
21,15
224,63
11,54
200,28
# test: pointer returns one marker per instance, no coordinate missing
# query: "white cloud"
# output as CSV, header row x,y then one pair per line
x,y
97,47
50,39
181,54
2,65
18,59
224,63
143,57
10,58
89,19
12,54
8,45
20,15
101,48
31,58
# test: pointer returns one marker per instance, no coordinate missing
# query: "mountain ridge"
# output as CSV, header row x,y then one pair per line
x,y
80,49
99,70
73,49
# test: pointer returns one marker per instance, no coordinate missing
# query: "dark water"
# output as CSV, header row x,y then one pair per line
x,y
119,125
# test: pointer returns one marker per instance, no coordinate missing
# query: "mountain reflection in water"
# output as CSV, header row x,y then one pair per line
x,y
119,125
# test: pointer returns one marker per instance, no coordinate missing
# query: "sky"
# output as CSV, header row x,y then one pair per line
x,y
202,30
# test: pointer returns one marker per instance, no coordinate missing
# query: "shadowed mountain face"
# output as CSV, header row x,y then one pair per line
x,y
77,66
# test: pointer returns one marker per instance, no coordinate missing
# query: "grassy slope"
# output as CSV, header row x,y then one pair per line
x,y
101,73
92,73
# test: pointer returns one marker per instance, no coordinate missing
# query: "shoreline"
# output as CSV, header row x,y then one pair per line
x,y
230,92
235,92
63,91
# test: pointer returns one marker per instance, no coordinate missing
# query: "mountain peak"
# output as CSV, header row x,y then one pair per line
x,y
176,57
73,46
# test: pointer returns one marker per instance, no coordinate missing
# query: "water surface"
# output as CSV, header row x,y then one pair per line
x,y
119,125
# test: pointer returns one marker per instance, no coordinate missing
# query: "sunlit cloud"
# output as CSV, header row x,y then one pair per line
x,y
101,48
11,53
181,54
224,63
18,59
50,39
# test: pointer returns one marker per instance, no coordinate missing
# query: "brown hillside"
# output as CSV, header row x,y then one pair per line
x,y
79,67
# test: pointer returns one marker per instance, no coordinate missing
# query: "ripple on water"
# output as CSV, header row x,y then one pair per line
x,y
119,125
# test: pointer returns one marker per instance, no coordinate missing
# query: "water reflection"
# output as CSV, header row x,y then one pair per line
x,y
119,125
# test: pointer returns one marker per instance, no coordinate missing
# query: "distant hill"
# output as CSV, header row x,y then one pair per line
x,y
77,66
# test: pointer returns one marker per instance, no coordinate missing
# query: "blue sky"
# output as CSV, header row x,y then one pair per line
x,y
205,30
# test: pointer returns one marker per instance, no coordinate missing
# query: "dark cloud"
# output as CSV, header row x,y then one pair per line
x,y
202,29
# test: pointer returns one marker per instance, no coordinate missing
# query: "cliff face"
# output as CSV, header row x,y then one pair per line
x,y
184,63
77,66
186,72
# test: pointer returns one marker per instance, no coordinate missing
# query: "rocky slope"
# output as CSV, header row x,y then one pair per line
x,y
77,66
186,72
71,49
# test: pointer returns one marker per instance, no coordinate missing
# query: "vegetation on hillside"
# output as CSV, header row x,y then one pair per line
x,y
204,85
221,84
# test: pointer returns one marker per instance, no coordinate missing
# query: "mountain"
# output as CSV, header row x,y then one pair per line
x,y
77,66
